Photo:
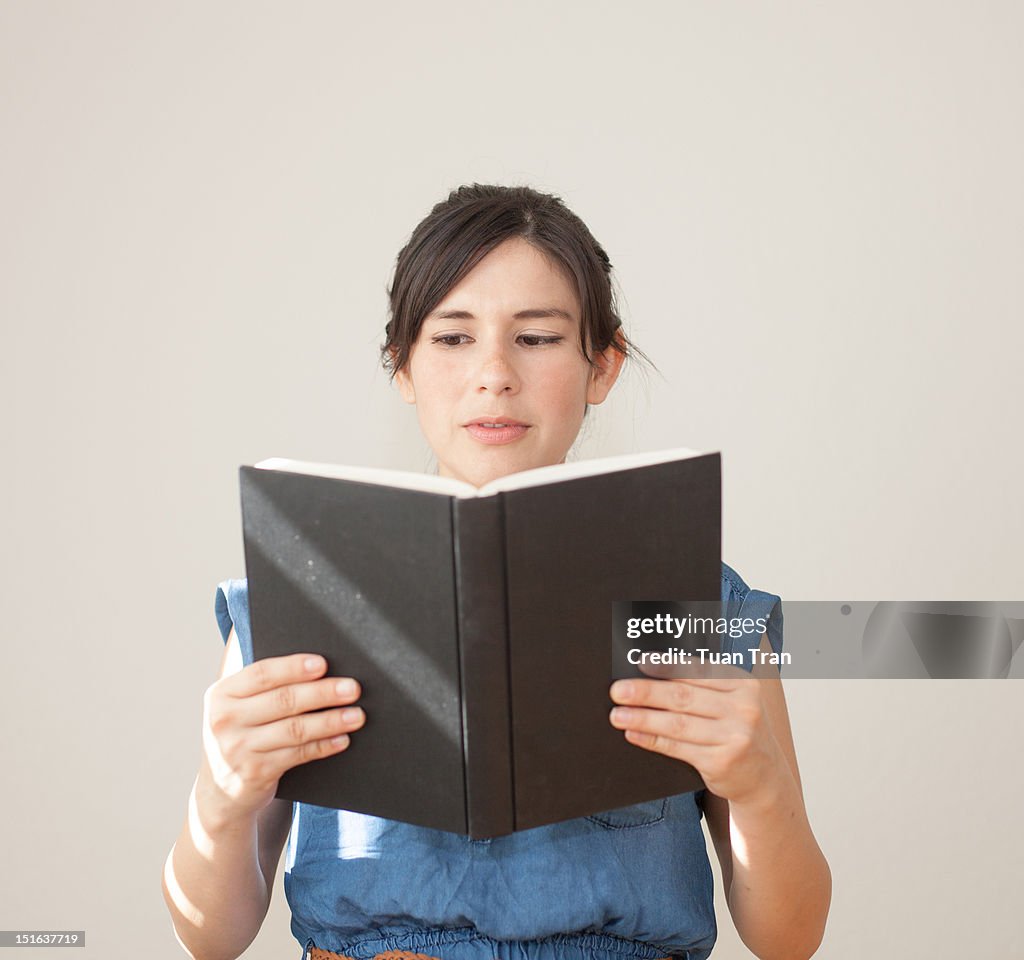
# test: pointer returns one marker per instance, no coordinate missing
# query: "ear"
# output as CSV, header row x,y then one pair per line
x,y
405,387
603,376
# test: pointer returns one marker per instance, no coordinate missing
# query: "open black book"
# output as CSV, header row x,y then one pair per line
x,y
479,624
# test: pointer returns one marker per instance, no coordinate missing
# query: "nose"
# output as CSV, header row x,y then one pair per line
x,y
497,373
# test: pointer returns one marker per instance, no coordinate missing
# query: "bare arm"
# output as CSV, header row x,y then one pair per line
x,y
777,882
218,878
219,875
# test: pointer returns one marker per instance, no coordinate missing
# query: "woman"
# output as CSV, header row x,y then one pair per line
x,y
503,333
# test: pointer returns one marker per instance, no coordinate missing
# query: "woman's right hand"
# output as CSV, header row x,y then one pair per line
x,y
257,725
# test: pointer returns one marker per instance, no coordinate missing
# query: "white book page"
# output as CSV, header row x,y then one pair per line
x,y
584,468
431,483
426,482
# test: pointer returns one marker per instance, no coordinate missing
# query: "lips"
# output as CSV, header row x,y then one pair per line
x,y
504,421
496,429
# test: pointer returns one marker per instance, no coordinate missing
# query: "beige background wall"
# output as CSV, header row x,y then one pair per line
x,y
815,212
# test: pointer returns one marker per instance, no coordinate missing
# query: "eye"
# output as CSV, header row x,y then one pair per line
x,y
446,339
536,340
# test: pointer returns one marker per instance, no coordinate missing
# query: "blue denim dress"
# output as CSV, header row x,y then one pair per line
x,y
629,883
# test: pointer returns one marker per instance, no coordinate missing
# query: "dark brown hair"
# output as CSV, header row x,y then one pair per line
x,y
462,230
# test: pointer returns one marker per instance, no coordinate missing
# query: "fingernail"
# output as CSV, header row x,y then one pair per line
x,y
351,715
621,715
313,663
622,689
346,687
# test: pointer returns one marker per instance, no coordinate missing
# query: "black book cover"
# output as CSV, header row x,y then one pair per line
x,y
479,628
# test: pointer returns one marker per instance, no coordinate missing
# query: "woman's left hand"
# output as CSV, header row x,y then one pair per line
x,y
720,726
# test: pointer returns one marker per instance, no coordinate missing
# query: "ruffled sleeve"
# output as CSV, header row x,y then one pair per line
x,y
231,605
740,603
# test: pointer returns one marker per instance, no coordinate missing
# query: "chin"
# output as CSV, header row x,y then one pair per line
x,y
482,473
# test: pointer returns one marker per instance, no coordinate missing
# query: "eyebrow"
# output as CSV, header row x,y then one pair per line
x,y
536,313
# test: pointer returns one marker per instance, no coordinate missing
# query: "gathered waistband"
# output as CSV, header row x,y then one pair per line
x,y
315,953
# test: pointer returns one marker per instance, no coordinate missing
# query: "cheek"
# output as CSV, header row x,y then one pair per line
x,y
437,391
567,388
440,386
428,375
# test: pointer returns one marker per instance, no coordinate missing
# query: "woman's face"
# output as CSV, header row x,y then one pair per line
x,y
488,353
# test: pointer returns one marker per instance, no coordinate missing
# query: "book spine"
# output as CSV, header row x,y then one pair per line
x,y
478,532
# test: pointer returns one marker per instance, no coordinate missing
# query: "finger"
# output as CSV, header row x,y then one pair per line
x,y
695,754
295,698
693,669
288,757
673,671
683,727
679,696
304,728
271,672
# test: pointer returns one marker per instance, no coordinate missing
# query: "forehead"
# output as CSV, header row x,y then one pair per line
x,y
514,277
